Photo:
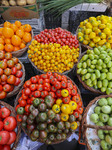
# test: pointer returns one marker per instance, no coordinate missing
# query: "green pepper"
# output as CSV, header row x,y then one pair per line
x,y
20,110
36,102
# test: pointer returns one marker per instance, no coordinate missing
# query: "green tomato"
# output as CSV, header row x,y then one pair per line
x,y
110,85
102,56
20,110
110,69
109,64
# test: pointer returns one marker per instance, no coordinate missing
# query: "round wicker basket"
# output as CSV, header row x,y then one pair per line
x,y
69,134
17,88
66,72
84,84
18,126
21,51
85,125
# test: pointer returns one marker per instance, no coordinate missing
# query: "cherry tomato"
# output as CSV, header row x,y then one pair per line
x,y
76,99
19,74
57,85
51,77
47,81
29,101
10,63
34,80
2,95
80,103
7,71
49,73
80,110
44,76
53,81
40,81
55,74
58,77
52,94
42,100
6,88
46,86
38,77
2,55
12,88
63,84
76,114
31,95
40,87
44,94
32,87
3,65
11,79
18,66
53,89
37,93
70,85
20,99
19,118
17,107
23,103
1,88
58,93
3,77
69,90
74,92
24,96
3,83
28,83
14,71
8,56
17,82
66,100
16,60
27,91
1,125
27,108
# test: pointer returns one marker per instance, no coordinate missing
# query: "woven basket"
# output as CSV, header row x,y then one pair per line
x,y
84,84
18,126
17,88
19,95
21,51
85,46
84,120
66,72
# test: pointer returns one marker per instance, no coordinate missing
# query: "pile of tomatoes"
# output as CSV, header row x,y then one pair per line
x,y
48,84
57,35
10,73
7,126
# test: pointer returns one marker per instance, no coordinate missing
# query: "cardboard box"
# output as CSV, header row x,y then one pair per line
x,y
19,12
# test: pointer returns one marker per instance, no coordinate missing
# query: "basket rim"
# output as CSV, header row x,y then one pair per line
x,y
84,121
83,83
65,72
13,113
70,133
21,83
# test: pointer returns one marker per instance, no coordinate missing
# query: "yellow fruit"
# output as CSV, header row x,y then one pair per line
x,y
88,25
95,23
102,42
108,45
109,39
109,25
92,19
81,24
104,21
86,37
96,39
97,31
92,35
80,34
101,26
107,31
85,42
80,38
103,35
88,31
92,44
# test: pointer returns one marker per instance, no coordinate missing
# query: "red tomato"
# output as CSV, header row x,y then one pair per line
x,y
70,85
16,60
17,107
44,94
1,71
58,93
8,55
55,74
57,85
1,147
6,88
23,103
37,93
7,71
53,81
10,63
4,137
29,101
3,77
80,104
76,99
53,89
49,73
27,108
19,74
2,55
3,65
5,112
47,81
18,66
74,92
6,147
40,81
24,96
32,87
14,71
19,118
11,79
1,88
52,94
38,77
63,84
27,91
42,100
10,123
5,60
75,87
69,90
20,99
3,83
12,137
28,83
1,125
76,114
17,81
80,110
44,76
40,87
66,100
12,88
32,95
58,77
46,86
34,80
51,77
23,90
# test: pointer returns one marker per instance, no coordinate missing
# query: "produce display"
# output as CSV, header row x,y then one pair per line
x,y
49,107
17,2
96,31
55,50
15,36
95,69
8,125
10,73
102,116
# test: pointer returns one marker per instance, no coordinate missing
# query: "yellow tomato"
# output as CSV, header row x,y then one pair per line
x,y
74,125
65,108
92,35
64,93
73,105
64,117
59,102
